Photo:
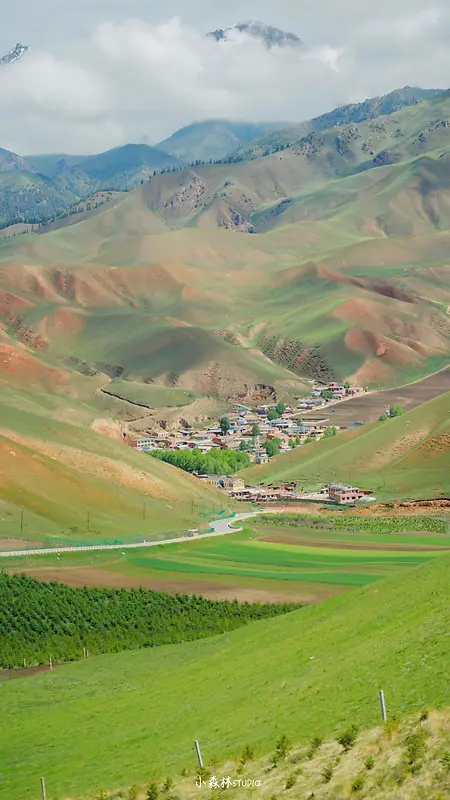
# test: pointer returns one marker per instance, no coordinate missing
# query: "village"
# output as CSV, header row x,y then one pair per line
x,y
265,431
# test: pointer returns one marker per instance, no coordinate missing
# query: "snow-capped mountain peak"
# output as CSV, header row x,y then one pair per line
x,y
272,37
17,52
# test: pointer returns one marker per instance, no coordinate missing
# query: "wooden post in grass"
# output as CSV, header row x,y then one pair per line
x,y
383,706
199,754
50,663
44,793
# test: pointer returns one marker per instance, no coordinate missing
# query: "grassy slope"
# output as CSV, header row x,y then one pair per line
x,y
404,457
57,469
311,672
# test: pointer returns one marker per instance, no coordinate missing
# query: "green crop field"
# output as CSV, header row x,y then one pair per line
x,y
115,720
276,559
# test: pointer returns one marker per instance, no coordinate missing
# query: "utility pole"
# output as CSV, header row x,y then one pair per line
x,y
383,706
199,754
21,521
143,511
88,522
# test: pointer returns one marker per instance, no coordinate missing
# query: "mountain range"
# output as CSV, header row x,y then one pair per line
x,y
36,189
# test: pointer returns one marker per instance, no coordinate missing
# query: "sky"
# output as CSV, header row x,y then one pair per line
x,y
101,73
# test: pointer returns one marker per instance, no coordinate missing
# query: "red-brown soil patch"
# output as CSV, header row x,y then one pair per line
x,y
62,324
20,368
336,545
12,307
31,279
376,344
19,544
92,576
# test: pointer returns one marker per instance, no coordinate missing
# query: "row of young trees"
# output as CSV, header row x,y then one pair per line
x,y
215,462
39,620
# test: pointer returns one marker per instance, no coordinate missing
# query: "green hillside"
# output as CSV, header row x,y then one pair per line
x,y
405,457
313,672
66,481
344,115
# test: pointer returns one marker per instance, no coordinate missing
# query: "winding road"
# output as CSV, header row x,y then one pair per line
x,y
220,528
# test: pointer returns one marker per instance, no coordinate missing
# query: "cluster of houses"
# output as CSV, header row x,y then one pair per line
x,y
336,493
286,429
321,396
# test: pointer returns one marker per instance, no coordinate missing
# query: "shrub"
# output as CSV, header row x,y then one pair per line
x,y
382,418
291,781
348,738
152,792
369,763
358,784
396,411
168,785
247,755
415,746
315,744
281,750
445,761
424,716
132,793
327,773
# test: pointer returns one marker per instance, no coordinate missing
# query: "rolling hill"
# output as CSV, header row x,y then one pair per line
x,y
310,673
67,475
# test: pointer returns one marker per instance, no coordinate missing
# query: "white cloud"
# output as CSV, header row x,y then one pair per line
x,y
123,79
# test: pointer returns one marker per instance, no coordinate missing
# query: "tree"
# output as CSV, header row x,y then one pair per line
x,y
225,425
346,386
291,443
396,411
272,415
330,432
281,408
272,447
309,440
256,430
383,417
326,395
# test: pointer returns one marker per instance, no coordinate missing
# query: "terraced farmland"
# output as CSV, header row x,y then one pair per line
x,y
304,561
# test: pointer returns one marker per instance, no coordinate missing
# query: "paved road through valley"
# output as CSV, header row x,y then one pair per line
x,y
220,528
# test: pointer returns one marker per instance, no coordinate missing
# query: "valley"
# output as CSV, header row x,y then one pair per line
x,y
248,321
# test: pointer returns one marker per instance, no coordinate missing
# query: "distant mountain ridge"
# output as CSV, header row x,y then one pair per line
x,y
37,188
14,54
213,139
343,115
272,37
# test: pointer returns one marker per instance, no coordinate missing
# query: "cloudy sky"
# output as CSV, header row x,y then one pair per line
x,y
106,72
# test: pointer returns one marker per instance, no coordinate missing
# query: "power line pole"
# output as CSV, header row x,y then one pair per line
x,y
143,511
199,754
21,521
88,522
